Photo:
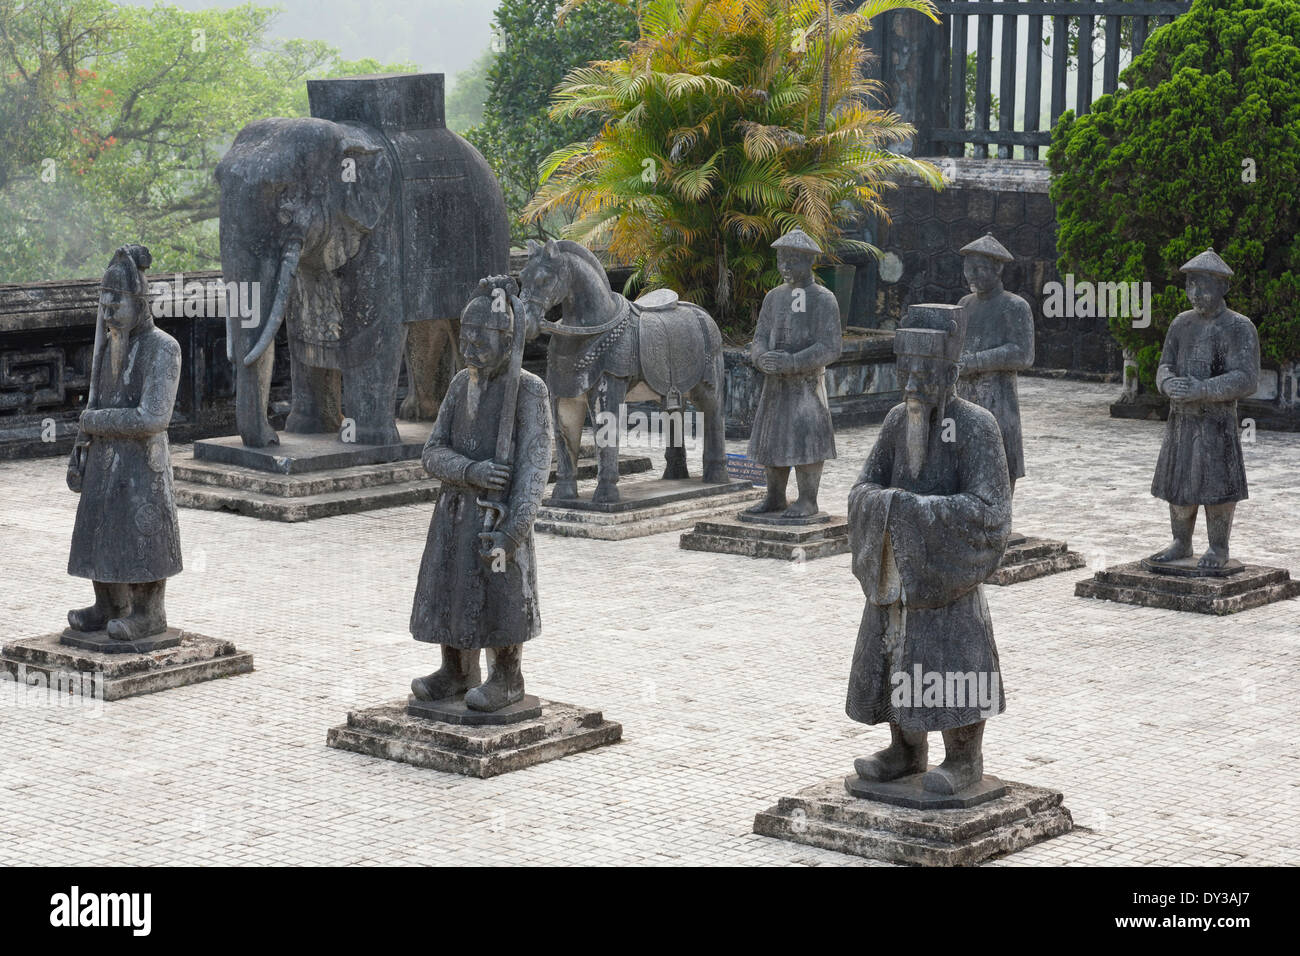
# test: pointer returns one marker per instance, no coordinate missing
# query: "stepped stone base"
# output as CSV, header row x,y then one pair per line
x,y
1252,586
188,658
829,817
485,750
1029,558
763,539
648,506
298,489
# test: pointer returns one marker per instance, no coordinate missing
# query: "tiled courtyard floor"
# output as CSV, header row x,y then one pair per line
x,y
1173,736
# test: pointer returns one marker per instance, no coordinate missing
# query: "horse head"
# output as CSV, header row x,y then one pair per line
x,y
545,280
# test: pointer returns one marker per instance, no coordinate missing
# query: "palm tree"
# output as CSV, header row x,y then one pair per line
x,y
727,123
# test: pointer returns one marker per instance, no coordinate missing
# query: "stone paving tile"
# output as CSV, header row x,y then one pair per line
x,y
1172,735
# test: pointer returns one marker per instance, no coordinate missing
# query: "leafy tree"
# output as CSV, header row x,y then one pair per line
x,y
113,118
1202,149
516,133
469,94
721,131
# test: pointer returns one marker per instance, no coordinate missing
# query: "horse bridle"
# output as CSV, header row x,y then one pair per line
x,y
586,331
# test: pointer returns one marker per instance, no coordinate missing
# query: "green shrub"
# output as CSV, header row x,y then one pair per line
x,y
1159,171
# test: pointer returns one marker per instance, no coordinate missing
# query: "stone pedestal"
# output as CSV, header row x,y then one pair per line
x,y
1252,586
1001,817
760,536
538,730
1028,558
648,506
316,476
111,670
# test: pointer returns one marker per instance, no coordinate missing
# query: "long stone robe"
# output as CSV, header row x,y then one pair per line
x,y
1200,459
460,599
999,343
922,546
126,530
792,425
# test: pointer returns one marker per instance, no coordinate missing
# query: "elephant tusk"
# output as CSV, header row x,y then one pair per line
x,y
288,268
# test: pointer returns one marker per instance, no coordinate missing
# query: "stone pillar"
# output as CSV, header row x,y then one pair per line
x,y
914,55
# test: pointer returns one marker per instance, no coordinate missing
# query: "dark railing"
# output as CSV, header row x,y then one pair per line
x,y
940,106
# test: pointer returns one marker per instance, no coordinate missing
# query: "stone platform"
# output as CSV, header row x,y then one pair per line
x,y
179,658
1028,558
648,506
288,483
1253,586
484,750
828,816
785,540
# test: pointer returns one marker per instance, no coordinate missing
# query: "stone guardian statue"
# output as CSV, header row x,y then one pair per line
x,y
1210,360
126,539
999,343
491,449
798,335
929,521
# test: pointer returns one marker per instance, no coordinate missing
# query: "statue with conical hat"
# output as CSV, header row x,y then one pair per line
x,y
929,519
999,343
797,336
1210,360
126,539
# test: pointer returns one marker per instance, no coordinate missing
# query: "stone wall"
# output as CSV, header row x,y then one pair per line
x,y
1008,198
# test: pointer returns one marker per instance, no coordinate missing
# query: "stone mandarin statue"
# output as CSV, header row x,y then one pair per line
x,y
798,335
1210,360
929,517
126,538
999,343
478,582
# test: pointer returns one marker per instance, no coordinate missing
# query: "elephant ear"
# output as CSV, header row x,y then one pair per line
x,y
366,173
534,247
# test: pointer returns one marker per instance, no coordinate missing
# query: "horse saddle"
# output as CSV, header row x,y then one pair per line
x,y
675,345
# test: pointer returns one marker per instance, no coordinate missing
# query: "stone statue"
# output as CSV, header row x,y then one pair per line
x,y
929,517
491,449
364,229
999,343
798,335
126,538
1210,360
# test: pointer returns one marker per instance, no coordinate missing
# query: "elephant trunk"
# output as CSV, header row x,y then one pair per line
x,y
283,288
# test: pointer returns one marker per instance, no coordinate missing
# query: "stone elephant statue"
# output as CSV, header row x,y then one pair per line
x,y
365,238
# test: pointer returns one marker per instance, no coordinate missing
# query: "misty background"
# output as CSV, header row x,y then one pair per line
x,y
441,36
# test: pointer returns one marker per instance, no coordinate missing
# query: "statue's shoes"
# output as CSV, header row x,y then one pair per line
x,y
950,780
881,769
88,619
135,627
765,507
438,686
491,696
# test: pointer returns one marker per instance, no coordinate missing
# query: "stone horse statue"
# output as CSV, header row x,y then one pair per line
x,y
606,351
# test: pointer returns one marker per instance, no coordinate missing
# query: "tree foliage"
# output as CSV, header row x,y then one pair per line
x,y
534,54
728,123
1202,149
112,119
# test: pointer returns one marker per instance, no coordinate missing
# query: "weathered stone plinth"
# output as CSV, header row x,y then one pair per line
x,y
190,659
649,506
828,816
486,750
769,539
287,484
1253,586
1029,558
